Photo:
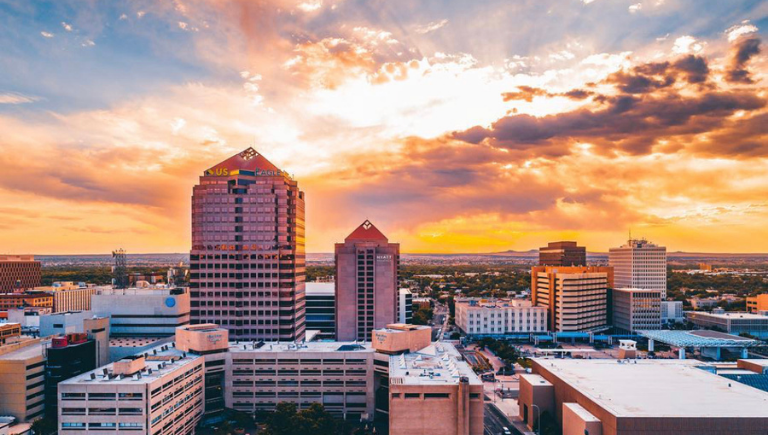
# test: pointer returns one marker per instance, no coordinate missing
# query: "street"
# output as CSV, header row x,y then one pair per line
x,y
495,421
439,321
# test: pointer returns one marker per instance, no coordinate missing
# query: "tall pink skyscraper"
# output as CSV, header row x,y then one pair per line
x,y
248,260
366,283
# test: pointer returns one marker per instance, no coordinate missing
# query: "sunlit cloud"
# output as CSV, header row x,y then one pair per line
x,y
744,28
451,142
16,98
431,27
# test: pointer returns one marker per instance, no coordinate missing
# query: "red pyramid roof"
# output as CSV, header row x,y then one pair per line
x,y
366,232
249,160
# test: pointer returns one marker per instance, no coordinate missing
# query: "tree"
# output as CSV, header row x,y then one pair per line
x,y
422,315
280,422
44,426
314,420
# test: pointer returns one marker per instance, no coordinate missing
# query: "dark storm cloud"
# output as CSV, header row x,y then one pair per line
x,y
630,123
653,76
744,51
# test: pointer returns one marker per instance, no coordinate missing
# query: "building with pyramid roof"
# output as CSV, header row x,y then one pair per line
x,y
247,263
366,283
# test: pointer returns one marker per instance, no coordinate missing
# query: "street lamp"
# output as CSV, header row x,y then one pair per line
x,y
538,426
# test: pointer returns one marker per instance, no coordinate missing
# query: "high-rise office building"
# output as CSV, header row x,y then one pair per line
x,y
640,264
19,272
321,309
576,297
366,283
562,254
247,263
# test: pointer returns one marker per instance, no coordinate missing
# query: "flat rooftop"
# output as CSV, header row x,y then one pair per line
x,y
320,288
659,388
308,347
402,327
22,350
171,358
495,303
702,338
734,315
133,341
439,363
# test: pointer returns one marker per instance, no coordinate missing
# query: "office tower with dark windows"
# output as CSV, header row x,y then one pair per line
x,y
321,309
366,283
247,263
562,254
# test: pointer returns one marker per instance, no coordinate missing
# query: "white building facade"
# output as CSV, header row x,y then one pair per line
x,y
503,316
672,312
160,394
640,264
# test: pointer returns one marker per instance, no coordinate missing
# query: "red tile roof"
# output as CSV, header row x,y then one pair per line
x,y
249,160
366,232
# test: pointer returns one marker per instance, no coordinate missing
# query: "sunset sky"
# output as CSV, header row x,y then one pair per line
x,y
454,126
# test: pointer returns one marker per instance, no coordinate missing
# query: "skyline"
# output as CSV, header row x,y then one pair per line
x,y
454,128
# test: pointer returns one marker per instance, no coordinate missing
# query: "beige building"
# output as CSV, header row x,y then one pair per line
x,y
160,393
433,392
576,298
9,332
397,338
426,380
336,374
499,316
69,296
22,379
606,397
640,264
636,309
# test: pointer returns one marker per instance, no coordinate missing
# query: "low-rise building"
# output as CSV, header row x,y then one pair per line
x,y
29,317
433,391
672,312
69,296
756,304
10,301
9,332
22,379
79,322
731,322
160,392
336,374
612,397
142,312
636,309
476,316
703,303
